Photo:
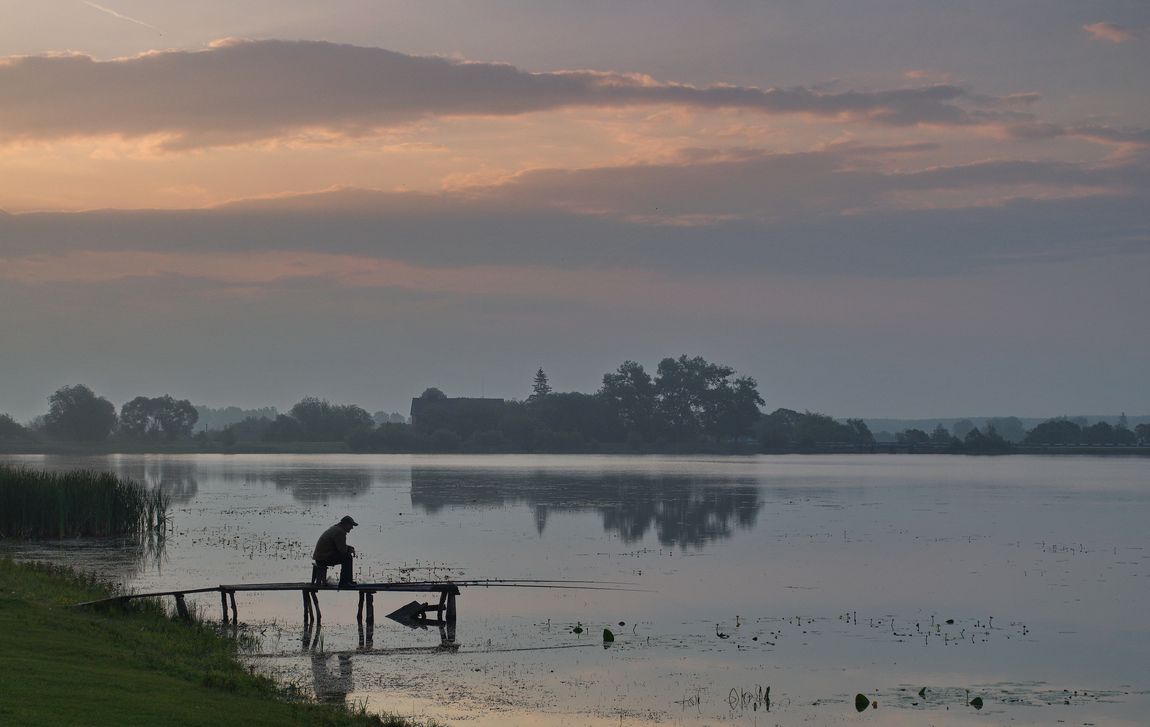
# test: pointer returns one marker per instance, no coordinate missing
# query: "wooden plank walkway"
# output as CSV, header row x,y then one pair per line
x,y
415,611
413,614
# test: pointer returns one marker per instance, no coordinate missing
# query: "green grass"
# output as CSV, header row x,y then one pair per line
x,y
35,504
65,666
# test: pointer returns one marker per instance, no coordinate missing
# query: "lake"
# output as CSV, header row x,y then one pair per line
x,y
766,590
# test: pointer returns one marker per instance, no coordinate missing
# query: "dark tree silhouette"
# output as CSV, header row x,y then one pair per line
x,y
630,394
161,417
76,413
323,421
541,387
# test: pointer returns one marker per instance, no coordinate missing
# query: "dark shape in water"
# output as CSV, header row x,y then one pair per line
x,y
862,701
976,702
608,637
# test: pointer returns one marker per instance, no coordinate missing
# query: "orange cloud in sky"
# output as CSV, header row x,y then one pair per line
x,y
1111,32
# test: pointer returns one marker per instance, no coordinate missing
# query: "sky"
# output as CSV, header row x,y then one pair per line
x,y
881,208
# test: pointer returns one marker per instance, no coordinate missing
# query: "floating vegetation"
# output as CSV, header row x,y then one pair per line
x,y
862,701
608,637
35,504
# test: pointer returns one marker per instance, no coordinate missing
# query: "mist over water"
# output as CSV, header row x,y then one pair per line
x,y
1022,579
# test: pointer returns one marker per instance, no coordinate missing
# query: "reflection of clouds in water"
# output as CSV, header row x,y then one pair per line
x,y
307,486
683,509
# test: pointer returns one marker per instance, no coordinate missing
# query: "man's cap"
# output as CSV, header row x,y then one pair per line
x,y
346,520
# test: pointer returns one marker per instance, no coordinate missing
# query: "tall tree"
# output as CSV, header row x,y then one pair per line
x,y
541,387
940,435
161,417
76,413
630,394
694,396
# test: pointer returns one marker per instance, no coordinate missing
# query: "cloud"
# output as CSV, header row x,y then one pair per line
x,y
240,91
1112,32
1038,131
752,212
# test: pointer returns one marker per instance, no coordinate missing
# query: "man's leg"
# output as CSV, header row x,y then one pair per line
x,y
345,570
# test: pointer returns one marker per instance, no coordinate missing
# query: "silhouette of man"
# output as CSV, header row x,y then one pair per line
x,y
332,549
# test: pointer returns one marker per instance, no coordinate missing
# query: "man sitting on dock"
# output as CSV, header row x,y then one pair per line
x,y
332,549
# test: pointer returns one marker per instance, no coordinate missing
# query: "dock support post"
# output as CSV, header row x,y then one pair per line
x,y
450,616
315,605
371,608
182,607
224,605
359,610
307,617
232,597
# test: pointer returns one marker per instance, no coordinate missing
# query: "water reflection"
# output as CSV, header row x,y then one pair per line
x,y
119,559
176,479
309,487
331,685
683,510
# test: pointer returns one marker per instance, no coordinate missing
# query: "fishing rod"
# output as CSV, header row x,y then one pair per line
x,y
573,585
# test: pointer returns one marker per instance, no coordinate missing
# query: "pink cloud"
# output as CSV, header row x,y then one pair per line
x,y
1112,32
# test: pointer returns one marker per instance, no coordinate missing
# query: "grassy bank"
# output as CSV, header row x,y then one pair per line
x,y
35,504
67,666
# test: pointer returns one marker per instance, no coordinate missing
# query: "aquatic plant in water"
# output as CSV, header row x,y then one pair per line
x,y
82,503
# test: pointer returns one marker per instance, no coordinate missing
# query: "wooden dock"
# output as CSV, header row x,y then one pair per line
x,y
413,614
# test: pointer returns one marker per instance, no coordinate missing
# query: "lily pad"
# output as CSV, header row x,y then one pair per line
x,y
862,701
608,636
976,702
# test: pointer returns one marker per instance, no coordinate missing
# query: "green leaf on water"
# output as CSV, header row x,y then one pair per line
x,y
862,701
976,702
608,636
922,692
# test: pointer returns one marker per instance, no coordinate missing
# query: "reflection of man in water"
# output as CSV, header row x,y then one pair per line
x,y
332,549
330,687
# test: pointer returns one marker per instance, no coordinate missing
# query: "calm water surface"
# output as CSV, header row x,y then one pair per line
x,y
1024,580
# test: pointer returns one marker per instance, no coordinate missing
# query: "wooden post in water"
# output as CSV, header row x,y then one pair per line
x,y
182,608
370,608
307,617
224,605
450,608
359,610
232,596
315,605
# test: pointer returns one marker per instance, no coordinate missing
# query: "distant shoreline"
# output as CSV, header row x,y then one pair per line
x,y
313,448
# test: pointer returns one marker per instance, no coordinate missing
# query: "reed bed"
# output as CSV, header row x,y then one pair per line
x,y
82,503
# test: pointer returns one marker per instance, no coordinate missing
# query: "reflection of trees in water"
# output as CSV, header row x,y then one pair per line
x,y
309,486
176,479
683,510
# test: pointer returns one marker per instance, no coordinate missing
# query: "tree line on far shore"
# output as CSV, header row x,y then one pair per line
x,y
688,405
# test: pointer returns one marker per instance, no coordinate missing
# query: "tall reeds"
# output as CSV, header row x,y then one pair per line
x,y
35,504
